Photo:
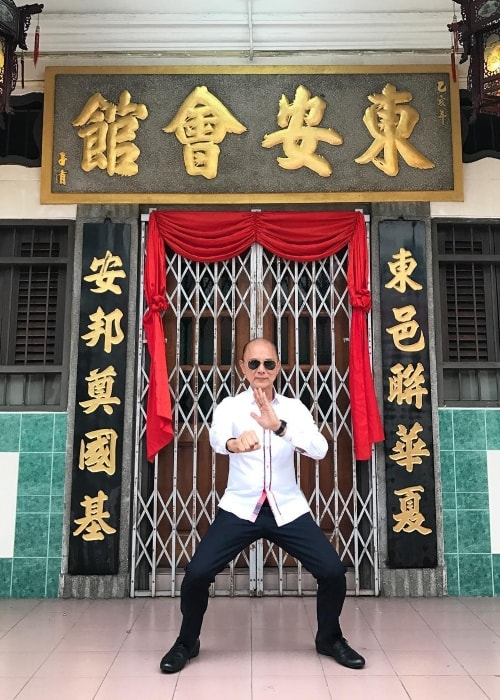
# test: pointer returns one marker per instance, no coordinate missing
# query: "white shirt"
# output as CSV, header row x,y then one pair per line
x,y
271,468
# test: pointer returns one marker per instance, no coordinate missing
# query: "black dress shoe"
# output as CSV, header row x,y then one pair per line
x,y
178,656
341,652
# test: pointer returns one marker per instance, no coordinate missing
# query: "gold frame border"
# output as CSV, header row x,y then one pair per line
x,y
49,197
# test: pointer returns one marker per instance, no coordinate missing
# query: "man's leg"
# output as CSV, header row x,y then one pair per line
x,y
225,538
304,540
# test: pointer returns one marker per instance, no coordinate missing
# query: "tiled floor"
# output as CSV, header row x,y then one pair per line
x,y
251,649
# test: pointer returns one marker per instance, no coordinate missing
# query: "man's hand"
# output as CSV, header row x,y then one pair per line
x,y
246,442
267,418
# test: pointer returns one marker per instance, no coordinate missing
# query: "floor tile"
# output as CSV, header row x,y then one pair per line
x,y
76,664
251,649
229,664
210,687
480,663
425,663
363,686
20,664
158,687
286,663
456,687
276,687
135,663
490,685
10,687
469,640
409,639
60,688
282,638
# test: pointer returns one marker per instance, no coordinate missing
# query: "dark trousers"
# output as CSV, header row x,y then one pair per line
x,y
229,535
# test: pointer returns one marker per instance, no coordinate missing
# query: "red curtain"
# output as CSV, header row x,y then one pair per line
x,y
217,236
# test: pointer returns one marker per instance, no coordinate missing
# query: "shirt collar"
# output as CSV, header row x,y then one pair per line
x,y
275,399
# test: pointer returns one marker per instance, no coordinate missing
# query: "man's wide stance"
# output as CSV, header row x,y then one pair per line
x,y
260,430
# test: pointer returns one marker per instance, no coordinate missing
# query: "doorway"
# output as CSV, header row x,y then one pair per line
x,y
214,309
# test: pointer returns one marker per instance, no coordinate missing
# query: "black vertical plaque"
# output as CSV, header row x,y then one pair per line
x,y
96,479
412,540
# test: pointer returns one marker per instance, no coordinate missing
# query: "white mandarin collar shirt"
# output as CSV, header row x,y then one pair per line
x,y
271,468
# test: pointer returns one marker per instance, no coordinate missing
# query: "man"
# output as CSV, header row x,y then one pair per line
x,y
260,430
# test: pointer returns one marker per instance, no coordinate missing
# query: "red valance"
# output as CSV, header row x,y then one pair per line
x,y
216,236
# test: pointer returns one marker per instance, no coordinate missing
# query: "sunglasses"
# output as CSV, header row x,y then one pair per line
x,y
268,364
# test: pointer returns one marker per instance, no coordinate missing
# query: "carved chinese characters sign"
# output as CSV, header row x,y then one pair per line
x,y
234,134
409,453
100,390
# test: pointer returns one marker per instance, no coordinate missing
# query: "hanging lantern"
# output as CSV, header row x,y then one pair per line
x,y
14,25
479,34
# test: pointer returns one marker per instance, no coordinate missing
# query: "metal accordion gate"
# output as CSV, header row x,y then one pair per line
x,y
214,308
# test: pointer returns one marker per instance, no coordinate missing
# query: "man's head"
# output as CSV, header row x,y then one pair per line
x,y
260,364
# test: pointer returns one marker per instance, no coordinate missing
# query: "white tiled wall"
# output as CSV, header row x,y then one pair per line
x,y
493,461
9,469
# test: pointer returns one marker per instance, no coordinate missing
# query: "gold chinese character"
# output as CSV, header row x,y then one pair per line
x,y
410,519
105,324
61,177
201,122
409,451
406,384
391,125
62,160
93,523
300,133
406,329
107,273
402,269
100,389
99,454
107,131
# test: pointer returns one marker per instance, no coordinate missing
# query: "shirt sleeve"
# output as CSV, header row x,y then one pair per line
x,y
302,432
221,429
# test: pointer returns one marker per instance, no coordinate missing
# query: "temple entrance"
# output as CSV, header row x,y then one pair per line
x,y
214,309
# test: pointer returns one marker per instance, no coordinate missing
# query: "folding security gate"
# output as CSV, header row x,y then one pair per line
x,y
214,309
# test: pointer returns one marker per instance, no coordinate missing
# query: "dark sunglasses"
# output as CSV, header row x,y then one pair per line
x,y
268,364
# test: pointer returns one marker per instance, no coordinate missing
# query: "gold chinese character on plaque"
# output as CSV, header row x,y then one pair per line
x,y
107,325
409,450
406,329
401,269
106,270
300,133
407,384
93,524
107,131
61,176
390,120
201,122
98,454
410,519
100,389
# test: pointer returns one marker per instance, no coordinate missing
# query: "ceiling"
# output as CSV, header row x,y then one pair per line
x,y
245,26
154,32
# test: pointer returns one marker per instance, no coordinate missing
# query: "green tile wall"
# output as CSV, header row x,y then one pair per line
x,y
40,440
465,435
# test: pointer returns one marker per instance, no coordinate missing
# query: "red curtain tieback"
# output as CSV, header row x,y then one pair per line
x,y
158,303
361,299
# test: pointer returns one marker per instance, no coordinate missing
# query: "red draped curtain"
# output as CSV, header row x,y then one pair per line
x,y
216,236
